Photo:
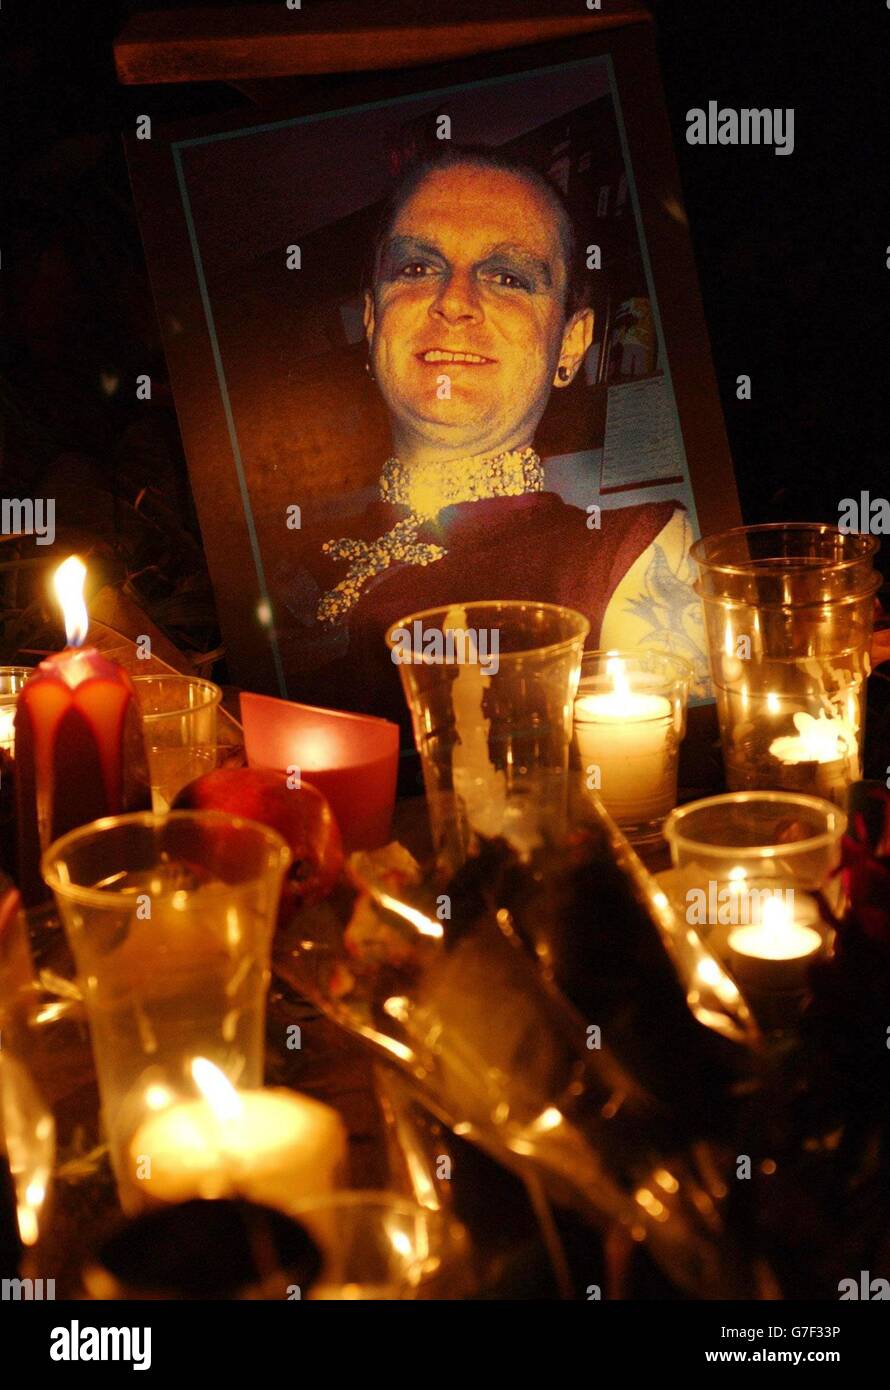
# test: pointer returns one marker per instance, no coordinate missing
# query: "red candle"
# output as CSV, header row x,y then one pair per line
x,y
79,749
353,759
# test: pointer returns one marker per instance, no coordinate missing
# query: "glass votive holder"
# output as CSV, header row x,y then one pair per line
x,y
170,921
746,870
490,687
379,1245
788,612
179,716
630,718
12,678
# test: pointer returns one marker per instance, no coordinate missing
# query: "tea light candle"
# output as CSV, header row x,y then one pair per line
x,y
626,735
272,1146
820,740
829,743
774,955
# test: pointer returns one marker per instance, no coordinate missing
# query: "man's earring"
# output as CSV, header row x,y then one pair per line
x,y
563,373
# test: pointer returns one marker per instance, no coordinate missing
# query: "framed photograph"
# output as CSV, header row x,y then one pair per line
x,y
435,336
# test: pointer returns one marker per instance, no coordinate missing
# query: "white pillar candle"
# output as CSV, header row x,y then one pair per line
x,y
627,736
272,1146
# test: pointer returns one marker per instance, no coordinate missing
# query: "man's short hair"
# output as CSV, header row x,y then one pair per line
x,y
487,157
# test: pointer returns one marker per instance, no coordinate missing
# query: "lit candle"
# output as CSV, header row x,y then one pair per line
x,y
774,955
12,678
627,735
820,740
79,750
829,742
272,1146
7,726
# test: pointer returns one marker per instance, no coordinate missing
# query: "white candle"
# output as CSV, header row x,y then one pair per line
x,y
775,954
820,740
7,726
272,1146
627,736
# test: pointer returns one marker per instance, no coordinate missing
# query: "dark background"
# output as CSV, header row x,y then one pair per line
x,y
790,251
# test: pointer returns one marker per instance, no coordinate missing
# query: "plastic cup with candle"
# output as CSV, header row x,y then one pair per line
x,y
170,919
779,838
272,1146
630,717
789,611
753,863
179,715
12,678
490,687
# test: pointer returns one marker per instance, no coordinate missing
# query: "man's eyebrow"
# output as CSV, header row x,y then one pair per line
x,y
522,256
410,246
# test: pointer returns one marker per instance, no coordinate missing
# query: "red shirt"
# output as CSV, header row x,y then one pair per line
x,y
531,547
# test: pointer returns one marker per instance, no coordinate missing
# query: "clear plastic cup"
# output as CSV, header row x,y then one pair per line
x,y
491,687
179,715
170,920
789,613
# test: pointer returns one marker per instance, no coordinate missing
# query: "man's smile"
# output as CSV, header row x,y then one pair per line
x,y
469,359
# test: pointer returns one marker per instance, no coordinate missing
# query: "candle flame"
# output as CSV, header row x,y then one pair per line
x,y
615,669
68,582
217,1089
28,1211
775,917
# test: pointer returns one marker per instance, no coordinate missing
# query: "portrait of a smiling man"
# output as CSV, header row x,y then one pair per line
x,y
440,365
475,312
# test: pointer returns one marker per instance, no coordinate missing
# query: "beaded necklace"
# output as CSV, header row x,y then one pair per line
x,y
424,490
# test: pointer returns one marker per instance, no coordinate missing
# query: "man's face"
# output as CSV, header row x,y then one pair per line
x,y
471,287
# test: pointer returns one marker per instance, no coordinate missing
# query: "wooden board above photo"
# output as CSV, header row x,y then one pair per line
x,y
269,41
